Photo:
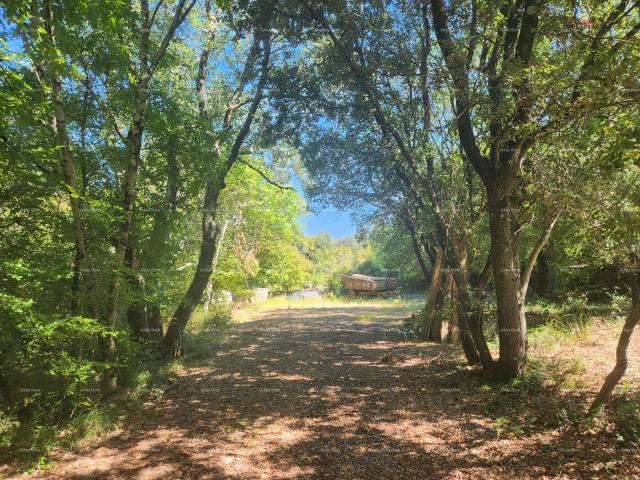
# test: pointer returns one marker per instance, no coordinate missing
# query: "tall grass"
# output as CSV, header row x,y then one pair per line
x,y
573,320
247,312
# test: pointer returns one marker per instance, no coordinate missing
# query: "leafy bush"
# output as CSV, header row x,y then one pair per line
x,y
200,338
534,401
576,309
217,319
336,286
8,427
504,427
620,304
48,370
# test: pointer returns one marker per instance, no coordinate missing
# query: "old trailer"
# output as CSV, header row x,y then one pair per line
x,y
357,284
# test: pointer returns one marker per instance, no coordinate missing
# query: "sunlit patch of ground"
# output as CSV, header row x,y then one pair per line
x,y
316,392
592,350
360,306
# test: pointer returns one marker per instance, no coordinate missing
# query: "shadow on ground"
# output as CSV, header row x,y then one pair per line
x,y
336,393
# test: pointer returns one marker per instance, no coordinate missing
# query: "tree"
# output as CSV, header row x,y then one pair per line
x,y
262,245
225,157
514,44
393,99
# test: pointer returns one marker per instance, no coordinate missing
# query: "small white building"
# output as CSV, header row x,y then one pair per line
x,y
260,294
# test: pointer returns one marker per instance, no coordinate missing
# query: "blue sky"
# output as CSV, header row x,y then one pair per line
x,y
335,223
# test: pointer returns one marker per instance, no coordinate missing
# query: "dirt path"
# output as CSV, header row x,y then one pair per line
x,y
336,393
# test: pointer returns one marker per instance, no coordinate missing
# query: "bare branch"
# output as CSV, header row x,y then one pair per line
x,y
263,175
178,17
533,257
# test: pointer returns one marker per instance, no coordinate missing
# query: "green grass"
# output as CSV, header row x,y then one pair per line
x,y
204,332
548,396
408,303
571,321
98,421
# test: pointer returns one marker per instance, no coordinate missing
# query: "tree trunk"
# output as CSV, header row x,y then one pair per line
x,y
136,311
435,333
75,282
209,297
470,324
133,149
137,320
77,272
453,329
541,277
623,343
154,319
415,242
134,146
214,264
59,126
432,296
485,276
147,64
498,171
512,329
155,255
172,342
203,63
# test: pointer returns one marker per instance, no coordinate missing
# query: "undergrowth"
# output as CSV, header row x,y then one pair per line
x,y
550,394
205,331
27,441
537,400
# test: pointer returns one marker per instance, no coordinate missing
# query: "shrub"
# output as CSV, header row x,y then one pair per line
x,y
217,319
625,415
48,370
336,286
200,338
620,304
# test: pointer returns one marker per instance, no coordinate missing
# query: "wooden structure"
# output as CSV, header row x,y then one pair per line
x,y
374,286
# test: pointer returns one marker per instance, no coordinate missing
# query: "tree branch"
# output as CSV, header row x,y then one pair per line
x,y
455,62
178,17
255,103
155,11
533,257
263,175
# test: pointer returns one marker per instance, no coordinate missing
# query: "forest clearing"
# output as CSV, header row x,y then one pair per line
x,y
320,239
335,390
